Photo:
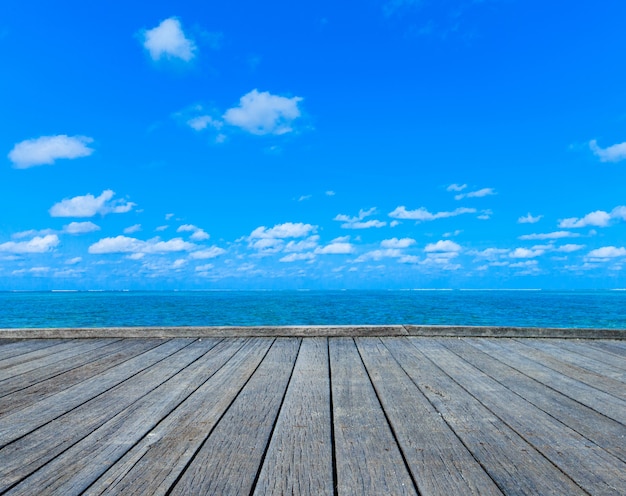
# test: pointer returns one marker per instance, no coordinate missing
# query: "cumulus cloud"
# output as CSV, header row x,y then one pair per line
x,y
340,248
476,194
203,121
529,219
73,261
39,244
397,243
46,149
443,246
125,244
80,228
132,229
526,253
456,187
358,222
380,254
280,231
422,215
211,252
569,248
607,252
614,153
295,257
550,235
263,113
89,205
168,40
599,218
198,234
298,246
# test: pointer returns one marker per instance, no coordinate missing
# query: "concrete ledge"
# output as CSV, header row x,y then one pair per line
x,y
514,332
201,332
312,331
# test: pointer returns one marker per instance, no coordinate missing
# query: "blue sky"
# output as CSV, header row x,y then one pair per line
x,y
254,145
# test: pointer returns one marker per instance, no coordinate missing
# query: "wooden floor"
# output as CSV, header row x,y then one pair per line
x,y
338,415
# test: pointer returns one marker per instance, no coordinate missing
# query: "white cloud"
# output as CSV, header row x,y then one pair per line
x,y
211,252
280,231
161,228
80,227
453,233
168,40
124,244
456,187
89,205
330,193
305,197
569,248
397,243
39,244
47,149
198,233
168,216
295,257
525,264
525,253
73,261
443,246
529,219
203,121
607,252
33,270
599,218
490,253
380,254
299,246
550,235
476,194
179,263
32,233
335,249
614,153
421,214
132,229
264,113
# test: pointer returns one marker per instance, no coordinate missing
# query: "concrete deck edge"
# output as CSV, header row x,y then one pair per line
x,y
312,331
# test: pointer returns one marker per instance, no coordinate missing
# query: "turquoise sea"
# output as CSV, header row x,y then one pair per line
x,y
601,309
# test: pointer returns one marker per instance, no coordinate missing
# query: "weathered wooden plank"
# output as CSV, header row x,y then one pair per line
x,y
603,431
507,352
572,361
615,347
564,363
69,352
513,332
34,357
26,389
368,458
229,460
513,464
79,466
9,349
584,348
591,467
157,460
439,462
15,425
299,459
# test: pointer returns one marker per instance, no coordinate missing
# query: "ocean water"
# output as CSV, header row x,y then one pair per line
x,y
571,309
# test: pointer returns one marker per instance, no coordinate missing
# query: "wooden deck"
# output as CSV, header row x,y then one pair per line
x,y
314,415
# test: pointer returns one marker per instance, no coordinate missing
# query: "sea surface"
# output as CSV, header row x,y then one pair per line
x,y
528,308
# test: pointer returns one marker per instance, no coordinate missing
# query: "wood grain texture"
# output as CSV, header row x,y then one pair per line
x,y
17,347
299,456
229,460
154,464
510,353
584,348
368,458
596,427
175,378
586,463
439,462
512,463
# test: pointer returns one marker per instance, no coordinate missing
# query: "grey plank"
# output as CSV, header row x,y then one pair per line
x,y
603,431
9,349
507,352
157,460
584,348
513,464
439,462
72,471
368,458
575,366
574,361
229,460
615,347
590,466
33,358
71,350
26,389
299,456
17,424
